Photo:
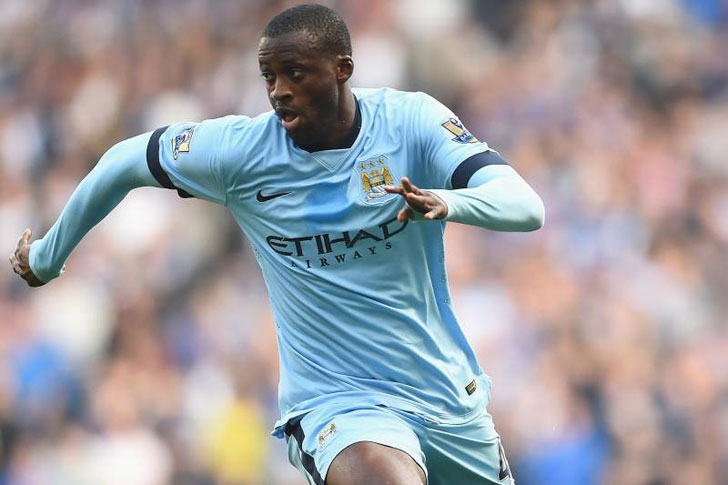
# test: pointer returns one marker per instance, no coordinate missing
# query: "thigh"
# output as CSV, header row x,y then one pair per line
x,y
466,453
358,437
366,462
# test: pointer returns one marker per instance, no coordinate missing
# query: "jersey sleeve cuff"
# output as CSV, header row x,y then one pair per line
x,y
44,276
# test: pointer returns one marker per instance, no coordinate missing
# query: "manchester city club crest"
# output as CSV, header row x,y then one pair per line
x,y
374,173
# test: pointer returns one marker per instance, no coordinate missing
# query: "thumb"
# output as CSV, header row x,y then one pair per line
x,y
26,234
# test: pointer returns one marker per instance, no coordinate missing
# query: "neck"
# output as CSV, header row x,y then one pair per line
x,y
342,129
352,123
347,111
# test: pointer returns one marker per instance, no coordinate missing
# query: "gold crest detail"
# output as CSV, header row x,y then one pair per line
x,y
326,433
470,388
374,174
181,142
462,135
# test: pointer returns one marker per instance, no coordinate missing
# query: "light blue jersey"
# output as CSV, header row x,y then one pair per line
x,y
361,302
370,349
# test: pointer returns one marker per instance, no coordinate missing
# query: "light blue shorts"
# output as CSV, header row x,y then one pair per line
x,y
467,453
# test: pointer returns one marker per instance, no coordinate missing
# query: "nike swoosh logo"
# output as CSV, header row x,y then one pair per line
x,y
265,198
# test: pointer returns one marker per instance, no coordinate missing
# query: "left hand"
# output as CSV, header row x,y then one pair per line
x,y
418,200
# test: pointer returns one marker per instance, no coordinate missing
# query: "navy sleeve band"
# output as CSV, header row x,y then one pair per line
x,y
461,175
156,168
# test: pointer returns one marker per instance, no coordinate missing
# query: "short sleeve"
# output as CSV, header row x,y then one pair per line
x,y
444,140
186,157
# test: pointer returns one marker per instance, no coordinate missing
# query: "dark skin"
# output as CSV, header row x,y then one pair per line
x,y
20,260
309,90
367,463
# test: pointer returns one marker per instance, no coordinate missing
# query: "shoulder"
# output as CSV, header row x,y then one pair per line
x,y
236,125
230,135
407,106
388,97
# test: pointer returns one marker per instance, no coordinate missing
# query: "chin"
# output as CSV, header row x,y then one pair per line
x,y
296,136
303,138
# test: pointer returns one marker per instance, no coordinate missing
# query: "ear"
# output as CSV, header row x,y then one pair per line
x,y
344,68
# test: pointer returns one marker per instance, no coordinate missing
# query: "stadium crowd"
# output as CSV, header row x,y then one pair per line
x,y
153,358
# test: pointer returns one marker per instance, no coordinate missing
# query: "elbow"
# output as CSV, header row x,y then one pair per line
x,y
531,208
535,215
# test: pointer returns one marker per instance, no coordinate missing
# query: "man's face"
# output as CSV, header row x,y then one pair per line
x,y
302,86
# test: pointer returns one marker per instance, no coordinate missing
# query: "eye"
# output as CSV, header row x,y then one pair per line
x,y
296,73
267,76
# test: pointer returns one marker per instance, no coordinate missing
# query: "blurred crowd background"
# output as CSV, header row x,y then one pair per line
x,y
153,359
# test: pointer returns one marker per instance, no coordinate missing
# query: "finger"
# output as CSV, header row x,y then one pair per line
x,y
394,189
24,238
409,186
404,214
436,213
16,267
420,200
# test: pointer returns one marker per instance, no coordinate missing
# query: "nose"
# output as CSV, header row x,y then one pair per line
x,y
280,90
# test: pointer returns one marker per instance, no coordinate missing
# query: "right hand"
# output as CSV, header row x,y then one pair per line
x,y
418,200
20,261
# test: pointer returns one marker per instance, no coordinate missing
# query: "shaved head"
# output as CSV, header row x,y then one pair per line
x,y
320,24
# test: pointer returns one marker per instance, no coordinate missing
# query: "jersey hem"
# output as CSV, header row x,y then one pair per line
x,y
394,402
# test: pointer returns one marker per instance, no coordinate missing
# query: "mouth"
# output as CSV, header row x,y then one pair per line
x,y
289,118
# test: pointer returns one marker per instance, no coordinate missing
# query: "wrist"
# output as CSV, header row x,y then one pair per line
x,y
446,198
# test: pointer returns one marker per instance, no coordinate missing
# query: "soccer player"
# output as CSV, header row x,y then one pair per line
x,y
344,194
